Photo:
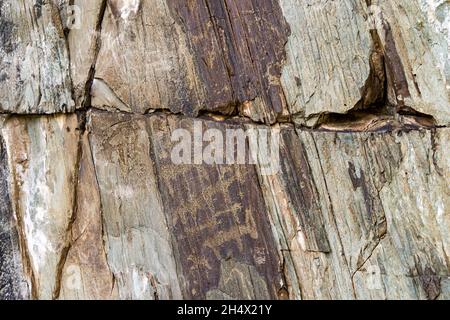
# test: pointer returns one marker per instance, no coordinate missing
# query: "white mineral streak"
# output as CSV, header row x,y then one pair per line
x,y
438,14
348,215
43,155
128,7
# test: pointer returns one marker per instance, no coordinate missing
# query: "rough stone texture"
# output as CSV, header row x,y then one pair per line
x,y
355,205
328,55
391,203
12,282
239,49
84,43
416,38
221,56
218,221
218,231
264,60
416,256
43,154
34,60
144,58
137,240
340,53
86,259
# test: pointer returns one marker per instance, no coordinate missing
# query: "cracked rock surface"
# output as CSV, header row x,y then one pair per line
x,y
92,205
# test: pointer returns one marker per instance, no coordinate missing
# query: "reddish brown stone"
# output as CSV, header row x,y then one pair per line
x,y
239,50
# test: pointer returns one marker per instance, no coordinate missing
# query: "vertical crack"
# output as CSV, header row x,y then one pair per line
x,y
23,244
362,264
113,276
332,210
69,241
97,46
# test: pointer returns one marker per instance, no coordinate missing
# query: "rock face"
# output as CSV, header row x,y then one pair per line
x,y
271,149
43,192
34,64
358,233
12,282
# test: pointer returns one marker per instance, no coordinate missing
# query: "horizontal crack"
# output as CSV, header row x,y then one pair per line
x,y
357,121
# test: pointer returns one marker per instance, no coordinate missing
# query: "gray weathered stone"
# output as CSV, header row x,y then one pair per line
x,y
43,157
34,63
12,283
353,205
